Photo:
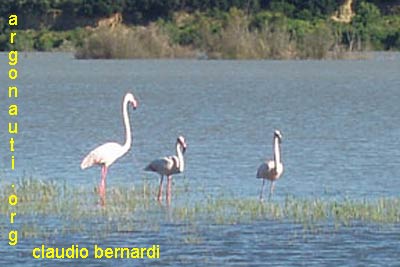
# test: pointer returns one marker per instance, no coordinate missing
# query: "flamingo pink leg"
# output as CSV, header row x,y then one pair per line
x,y
169,190
102,187
159,198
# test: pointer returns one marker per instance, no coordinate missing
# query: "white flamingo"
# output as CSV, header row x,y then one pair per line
x,y
108,153
168,166
271,169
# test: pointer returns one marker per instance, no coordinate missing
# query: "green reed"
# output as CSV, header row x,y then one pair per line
x,y
131,208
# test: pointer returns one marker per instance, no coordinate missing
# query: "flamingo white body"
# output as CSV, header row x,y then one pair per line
x,y
106,154
271,169
168,166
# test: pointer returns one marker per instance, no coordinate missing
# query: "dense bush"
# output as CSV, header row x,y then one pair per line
x,y
30,40
143,11
124,42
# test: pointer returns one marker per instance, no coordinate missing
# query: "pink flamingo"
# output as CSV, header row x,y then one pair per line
x,y
108,153
168,166
272,169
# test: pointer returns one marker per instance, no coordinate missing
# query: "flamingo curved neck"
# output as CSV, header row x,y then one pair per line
x,y
277,151
128,135
180,157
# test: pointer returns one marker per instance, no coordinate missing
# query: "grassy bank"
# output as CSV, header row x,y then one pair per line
x,y
232,34
127,208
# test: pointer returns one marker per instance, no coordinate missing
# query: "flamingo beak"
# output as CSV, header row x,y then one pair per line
x,y
134,104
184,146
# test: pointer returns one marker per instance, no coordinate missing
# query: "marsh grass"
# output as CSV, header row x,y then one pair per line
x,y
128,209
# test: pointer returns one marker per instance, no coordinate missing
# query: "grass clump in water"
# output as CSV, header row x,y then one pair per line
x,y
76,209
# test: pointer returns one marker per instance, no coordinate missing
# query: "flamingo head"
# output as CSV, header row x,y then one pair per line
x,y
129,98
278,135
181,141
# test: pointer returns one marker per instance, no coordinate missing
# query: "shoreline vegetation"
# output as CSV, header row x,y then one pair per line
x,y
130,208
242,29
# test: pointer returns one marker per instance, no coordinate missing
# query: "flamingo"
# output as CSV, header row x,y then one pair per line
x,y
271,169
168,166
108,153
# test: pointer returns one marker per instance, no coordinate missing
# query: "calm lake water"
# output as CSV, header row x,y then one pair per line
x,y
340,122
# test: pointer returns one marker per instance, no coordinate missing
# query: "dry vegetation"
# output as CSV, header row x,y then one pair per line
x,y
130,42
198,36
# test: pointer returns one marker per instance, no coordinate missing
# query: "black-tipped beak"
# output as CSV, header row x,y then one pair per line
x,y
134,105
